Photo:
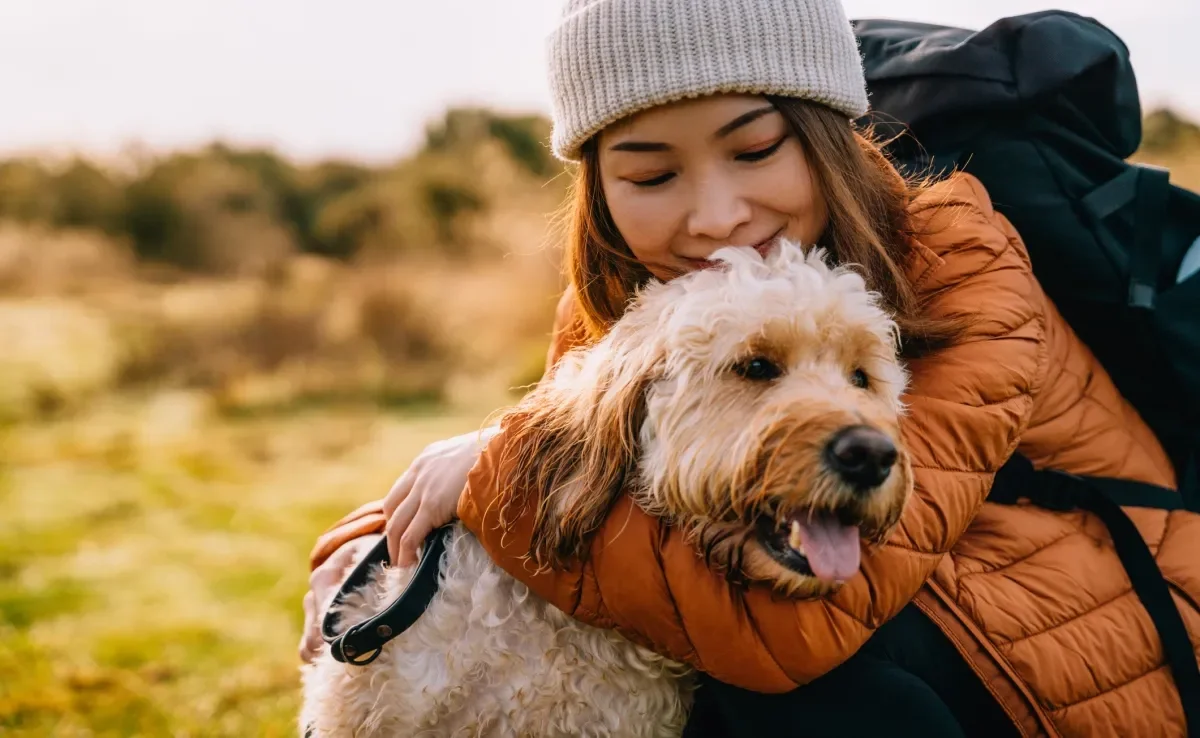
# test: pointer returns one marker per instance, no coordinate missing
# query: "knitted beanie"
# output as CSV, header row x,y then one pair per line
x,y
611,58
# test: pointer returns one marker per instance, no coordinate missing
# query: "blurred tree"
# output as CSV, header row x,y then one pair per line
x,y
321,185
208,211
349,221
84,196
1166,130
525,138
25,191
448,204
154,220
224,207
459,128
418,207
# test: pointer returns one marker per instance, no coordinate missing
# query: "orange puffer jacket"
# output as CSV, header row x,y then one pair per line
x,y
1037,601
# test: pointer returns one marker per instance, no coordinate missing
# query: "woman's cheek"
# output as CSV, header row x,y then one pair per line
x,y
645,223
793,193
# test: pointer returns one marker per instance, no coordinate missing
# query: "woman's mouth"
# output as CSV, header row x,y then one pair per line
x,y
762,247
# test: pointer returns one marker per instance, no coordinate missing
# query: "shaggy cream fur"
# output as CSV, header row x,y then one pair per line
x,y
488,658
716,401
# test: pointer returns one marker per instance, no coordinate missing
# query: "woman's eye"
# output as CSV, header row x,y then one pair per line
x,y
761,154
659,180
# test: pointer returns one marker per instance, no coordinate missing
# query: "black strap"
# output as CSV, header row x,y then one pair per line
x,y
1113,195
1104,497
362,643
1104,201
1189,485
1148,188
1153,191
1126,493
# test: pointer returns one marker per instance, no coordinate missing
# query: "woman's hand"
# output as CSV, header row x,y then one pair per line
x,y
323,584
426,496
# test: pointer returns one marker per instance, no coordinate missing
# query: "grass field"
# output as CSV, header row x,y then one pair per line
x,y
152,560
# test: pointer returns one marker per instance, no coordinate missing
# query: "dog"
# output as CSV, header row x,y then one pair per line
x,y
754,404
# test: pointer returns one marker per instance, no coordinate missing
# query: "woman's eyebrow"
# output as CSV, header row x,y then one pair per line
x,y
639,146
744,119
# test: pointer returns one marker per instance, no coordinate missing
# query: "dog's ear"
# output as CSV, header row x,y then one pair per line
x,y
574,447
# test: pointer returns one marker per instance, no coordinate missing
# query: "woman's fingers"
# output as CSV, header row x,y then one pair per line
x,y
310,637
398,523
414,536
399,491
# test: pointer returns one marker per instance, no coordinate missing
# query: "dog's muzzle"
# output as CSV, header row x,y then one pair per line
x,y
826,542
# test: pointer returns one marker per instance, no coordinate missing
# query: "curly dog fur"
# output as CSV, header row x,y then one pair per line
x,y
754,404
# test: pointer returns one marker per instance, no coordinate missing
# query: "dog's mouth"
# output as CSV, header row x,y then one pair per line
x,y
817,544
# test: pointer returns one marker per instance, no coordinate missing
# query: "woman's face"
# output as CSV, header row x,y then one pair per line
x,y
686,179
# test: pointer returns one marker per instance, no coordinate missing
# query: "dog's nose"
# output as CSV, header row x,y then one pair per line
x,y
861,455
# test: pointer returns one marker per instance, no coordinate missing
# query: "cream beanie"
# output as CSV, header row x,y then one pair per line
x,y
611,58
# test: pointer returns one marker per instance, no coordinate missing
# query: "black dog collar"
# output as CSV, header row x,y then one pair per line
x,y
362,643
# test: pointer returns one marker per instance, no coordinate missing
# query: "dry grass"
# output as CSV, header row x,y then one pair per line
x,y
81,321
171,445
151,560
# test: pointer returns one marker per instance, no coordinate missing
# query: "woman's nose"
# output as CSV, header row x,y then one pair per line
x,y
719,209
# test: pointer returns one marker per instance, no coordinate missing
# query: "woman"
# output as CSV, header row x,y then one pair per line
x,y
704,123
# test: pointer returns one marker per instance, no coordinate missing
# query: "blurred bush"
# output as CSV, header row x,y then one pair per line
x,y
1165,130
263,281
227,210
1171,140
523,137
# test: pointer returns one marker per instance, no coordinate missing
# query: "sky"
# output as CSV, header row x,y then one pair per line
x,y
361,78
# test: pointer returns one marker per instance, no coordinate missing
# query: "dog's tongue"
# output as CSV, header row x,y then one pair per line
x,y
831,548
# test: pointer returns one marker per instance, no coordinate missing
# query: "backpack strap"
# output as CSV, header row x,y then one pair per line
x,y
1153,191
1058,490
1148,188
1189,486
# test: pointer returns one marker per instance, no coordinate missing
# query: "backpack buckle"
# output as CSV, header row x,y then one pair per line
x,y
1141,296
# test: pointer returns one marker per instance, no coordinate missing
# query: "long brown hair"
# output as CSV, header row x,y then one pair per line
x,y
869,225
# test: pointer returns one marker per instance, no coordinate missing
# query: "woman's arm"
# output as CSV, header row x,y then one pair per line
x,y
967,407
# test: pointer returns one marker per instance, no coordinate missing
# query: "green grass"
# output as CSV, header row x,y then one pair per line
x,y
152,587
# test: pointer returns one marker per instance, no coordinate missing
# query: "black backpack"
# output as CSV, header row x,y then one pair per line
x,y
1043,109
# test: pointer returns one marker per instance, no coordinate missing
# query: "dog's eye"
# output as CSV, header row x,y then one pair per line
x,y
757,369
859,379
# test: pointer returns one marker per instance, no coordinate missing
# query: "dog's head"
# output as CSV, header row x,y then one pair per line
x,y
754,404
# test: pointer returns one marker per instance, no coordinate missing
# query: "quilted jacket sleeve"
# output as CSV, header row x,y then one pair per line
x,y
366,520
968,405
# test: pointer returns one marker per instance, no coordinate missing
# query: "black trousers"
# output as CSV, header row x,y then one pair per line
x,y
907,680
